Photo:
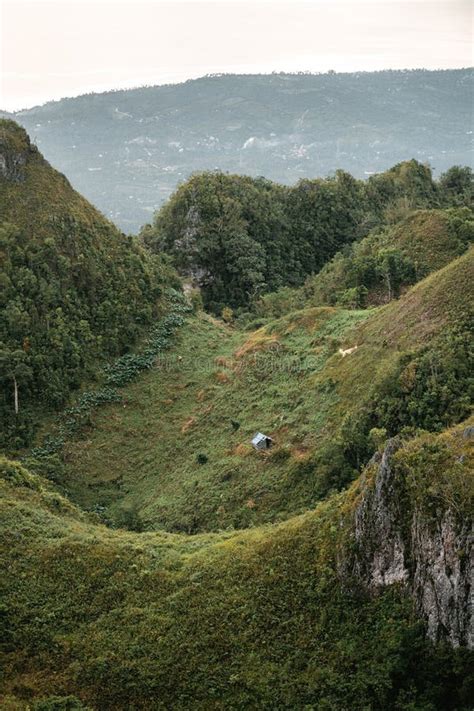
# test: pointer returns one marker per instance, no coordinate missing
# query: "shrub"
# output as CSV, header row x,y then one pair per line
x,y
227,314
130,519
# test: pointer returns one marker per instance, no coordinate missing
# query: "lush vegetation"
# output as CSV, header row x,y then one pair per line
x,y
117,374
256,619
239,237
187,424
151,558
381,266
74,289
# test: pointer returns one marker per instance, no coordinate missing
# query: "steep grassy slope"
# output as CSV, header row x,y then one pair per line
x,y
176,452
127,150
74,289
267,618
384,264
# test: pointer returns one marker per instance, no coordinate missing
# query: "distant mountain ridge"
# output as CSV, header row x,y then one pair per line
x,y
127,150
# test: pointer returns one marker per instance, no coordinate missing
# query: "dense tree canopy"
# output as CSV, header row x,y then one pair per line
x,y
73,288
240,237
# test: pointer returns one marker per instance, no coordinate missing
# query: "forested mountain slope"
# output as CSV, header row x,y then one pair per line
x,y
74,289
126,151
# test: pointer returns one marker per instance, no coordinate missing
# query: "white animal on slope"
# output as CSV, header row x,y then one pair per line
x,y
348,351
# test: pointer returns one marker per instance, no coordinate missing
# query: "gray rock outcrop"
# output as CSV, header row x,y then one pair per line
x,y
431,556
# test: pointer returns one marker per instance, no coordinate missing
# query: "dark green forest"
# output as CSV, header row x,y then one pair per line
x,y
238,238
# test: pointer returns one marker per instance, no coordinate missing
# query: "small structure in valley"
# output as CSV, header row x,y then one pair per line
x,y
261,442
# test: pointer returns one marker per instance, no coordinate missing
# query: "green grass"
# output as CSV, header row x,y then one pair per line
x,y
254,619
139,465
142,454
260,618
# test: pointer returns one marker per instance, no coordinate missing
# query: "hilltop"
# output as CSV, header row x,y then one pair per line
x,y
126,151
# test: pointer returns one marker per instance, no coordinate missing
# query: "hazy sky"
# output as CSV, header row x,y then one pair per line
x,y
55,49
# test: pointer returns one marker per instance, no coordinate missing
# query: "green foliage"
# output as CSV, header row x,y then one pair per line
x,y
379,267
60,703
354,297
227,314
129,518
430,390
457,186
202,458
377,437
263,618
17,475
117,374
195,300
433,389
242,236
74,290
407,185
286,379
239,237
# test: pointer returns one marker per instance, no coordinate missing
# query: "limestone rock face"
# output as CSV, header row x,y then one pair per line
x,y
443,578
14,149
377,531
396,542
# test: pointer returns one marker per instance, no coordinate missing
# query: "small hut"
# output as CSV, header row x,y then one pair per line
x,y
261,442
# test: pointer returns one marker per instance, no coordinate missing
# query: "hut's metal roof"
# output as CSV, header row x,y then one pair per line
x,y
259,437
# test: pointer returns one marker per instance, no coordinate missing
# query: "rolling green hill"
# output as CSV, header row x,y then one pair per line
x,y
309,613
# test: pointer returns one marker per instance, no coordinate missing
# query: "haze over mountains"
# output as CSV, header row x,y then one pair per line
x,y
127,150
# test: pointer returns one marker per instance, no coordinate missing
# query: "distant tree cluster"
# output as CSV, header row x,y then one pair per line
x,y
240,237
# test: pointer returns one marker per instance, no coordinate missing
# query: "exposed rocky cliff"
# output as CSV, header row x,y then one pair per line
x,y
14,149
398,540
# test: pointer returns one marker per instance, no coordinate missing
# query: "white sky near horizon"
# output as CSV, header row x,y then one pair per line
x,y
64,48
